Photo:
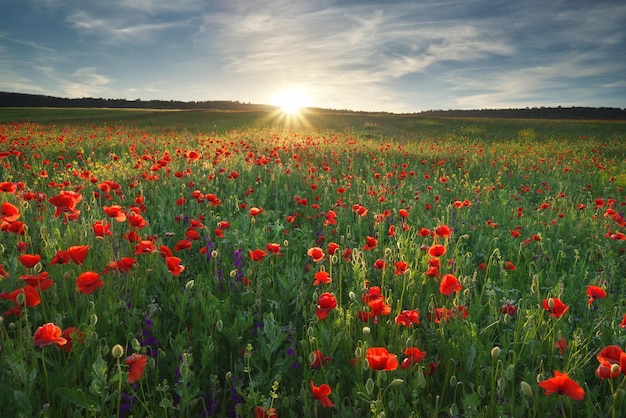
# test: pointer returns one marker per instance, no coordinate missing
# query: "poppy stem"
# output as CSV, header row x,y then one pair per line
x,y
45,372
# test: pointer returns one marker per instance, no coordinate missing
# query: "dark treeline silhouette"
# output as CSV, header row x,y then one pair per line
x,y
8,99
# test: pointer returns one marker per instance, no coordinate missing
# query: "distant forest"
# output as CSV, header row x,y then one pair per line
x,y
8,99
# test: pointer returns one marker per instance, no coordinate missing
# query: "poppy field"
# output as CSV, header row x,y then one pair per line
x,y
169,265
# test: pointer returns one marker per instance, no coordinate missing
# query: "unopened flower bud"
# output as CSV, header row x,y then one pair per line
x,y
117,351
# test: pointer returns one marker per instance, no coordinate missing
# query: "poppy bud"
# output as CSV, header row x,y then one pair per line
x,y
495,352
117,351
551,303
526,389
369,385
366,330
396,382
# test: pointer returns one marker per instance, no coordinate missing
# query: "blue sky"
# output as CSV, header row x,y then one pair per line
x,y
373,55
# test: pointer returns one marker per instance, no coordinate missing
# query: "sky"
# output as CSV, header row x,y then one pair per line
x,y
370,55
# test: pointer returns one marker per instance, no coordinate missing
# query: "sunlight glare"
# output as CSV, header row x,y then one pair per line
x,y
291,101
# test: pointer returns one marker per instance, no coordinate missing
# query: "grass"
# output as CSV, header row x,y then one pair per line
x,y
535,211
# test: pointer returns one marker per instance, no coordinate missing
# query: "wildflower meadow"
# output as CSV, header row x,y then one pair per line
x,y
207,264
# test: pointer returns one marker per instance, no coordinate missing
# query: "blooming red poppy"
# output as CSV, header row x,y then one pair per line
x,y
330,218
116,212
29,260
273,248
8,187
31,295
326,302
508,309
319,360
443,231
408,318
137,364
316,253
403,213
508,265
332,248
183,244
515,233
78,253
174,266
257,255
413,355
102,228
370,243
595,292
255,211
322,277
623,323
400,267
61,257
135,220
555,307
449,284
48,334
379,358
65,203
612,362
436,250
3,272
562,384
71,334
9,213
380,264
260,412
321,393
88,282
145,247
39,281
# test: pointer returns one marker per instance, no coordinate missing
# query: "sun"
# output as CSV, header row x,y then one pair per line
x,y
291,101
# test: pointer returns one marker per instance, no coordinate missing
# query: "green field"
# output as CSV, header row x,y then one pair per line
x,y
210,263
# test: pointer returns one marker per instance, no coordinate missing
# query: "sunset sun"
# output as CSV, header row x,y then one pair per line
x,y
291,101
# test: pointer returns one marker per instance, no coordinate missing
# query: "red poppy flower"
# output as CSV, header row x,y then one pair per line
x,y
449,284
508,309
174,266
595,292
102,228
403,213
31,295
555,307
116,212
321,393
255,211
9,213
380,264
372,294
71,334
322,277
319,360
443,231
61,257
39,281
135,220
137,364
48,334
145,247
88,282
330,218
332,248
8,187
257,255
183,244
78,253
29,260
381,359
326,302
515,233
408,318
623,323
401,267
562,384
614,358
370,243
65,202
436,250
316,253
273,248
260,412
414,355
508,265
